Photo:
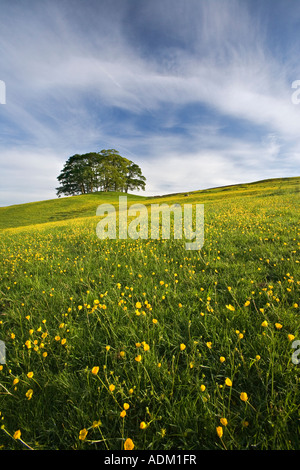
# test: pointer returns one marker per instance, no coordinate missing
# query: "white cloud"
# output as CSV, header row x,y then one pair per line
x,y
28,176
66,69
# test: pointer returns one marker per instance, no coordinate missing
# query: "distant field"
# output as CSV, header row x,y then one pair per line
x,y
111,340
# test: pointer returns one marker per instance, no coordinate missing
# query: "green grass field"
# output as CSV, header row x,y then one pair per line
x,y
115,343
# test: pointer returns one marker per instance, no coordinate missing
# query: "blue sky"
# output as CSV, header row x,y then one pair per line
x,y
197,92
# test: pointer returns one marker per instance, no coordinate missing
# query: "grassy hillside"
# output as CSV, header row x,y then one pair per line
x,y
57,209
85,205
116,343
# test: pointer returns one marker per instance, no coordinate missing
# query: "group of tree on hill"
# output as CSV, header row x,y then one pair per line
x,y
106,170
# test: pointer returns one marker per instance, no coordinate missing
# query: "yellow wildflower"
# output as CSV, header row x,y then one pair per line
x,y
29,394
228,382
96,424
17,434
128,444
83,434
230,307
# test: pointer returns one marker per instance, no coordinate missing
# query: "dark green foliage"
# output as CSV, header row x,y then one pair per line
x,y
106,170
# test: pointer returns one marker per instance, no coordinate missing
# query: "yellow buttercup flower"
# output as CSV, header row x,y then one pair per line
x,y
95,370
182,347
244,396
264,323
17,434
111,387
83,434
143,425
224,421
128,444
228,382
30,375
96,424
219,430
29,394
230,307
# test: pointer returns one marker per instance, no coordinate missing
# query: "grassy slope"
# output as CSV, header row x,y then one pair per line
x,y
222,302
85,206
57,209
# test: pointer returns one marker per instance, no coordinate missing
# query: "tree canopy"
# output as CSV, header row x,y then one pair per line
x,y
106,170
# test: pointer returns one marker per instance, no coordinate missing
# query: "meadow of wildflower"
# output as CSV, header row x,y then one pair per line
x,y
142,344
